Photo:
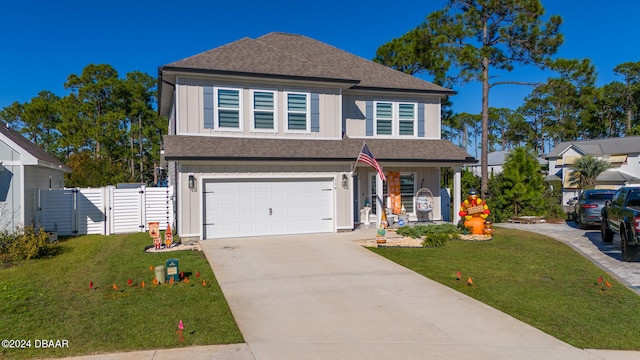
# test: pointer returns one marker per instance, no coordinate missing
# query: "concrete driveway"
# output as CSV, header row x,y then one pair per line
x,y
325,297
589,243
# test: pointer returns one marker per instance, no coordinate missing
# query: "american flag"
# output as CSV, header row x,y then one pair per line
x,y
367,157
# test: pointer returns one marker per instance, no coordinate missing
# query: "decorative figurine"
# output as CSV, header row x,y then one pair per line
x,y
475,211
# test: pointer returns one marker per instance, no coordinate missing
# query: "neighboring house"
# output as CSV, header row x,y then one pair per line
x,y
24,167
495,162
264,134
622,153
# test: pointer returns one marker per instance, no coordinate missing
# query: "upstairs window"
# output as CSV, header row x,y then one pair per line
x,y
298,112
264,110
407,118
384,118
228,108
392,119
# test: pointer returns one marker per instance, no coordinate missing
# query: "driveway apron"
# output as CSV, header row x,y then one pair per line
x,y
322,296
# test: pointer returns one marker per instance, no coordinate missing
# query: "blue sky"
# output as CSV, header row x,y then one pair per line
x,y
43,42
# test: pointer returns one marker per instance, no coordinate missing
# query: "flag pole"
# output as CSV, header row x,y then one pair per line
x,y
356,164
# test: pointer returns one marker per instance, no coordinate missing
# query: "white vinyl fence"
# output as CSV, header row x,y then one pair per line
x,y
105,210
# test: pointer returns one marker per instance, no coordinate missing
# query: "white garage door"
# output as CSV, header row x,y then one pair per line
x,y
239,207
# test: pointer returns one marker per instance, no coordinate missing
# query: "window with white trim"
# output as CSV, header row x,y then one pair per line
x,y
384,118
298,112
228,103
406,119
264,110
395,118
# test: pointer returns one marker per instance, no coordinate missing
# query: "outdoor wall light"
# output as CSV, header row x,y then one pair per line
x,y
345,181
192,182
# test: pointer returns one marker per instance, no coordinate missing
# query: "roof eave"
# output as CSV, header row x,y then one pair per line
x,y
445,92
466,160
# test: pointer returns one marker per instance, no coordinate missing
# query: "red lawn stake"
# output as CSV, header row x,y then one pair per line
x,y
458,276
90,284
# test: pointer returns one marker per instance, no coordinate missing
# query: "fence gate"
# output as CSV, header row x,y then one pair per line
x,y
125,210
104,210
55,209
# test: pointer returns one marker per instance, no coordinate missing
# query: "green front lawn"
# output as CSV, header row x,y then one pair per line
x,y
50,299
537,280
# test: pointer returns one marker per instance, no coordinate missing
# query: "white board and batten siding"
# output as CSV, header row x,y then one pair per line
x,y
104,210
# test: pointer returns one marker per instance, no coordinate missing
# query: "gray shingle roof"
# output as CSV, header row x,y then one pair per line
x,y
618,176
610,146
182,147
33,149
288,55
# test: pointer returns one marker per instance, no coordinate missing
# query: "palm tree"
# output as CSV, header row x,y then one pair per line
x,y
585,171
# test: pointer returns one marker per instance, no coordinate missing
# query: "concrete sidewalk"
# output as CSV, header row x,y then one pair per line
x,y
325,297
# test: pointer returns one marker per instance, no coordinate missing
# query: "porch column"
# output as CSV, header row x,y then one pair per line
x,y
380,200
457,176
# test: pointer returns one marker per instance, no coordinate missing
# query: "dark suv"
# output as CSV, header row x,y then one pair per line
x,y
587,210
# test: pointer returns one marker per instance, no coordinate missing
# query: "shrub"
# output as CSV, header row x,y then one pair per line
x,y
23,244
433,235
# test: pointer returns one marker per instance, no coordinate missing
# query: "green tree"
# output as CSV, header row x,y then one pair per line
x,y
106,129
563,108
586,170
630,71
538,111
99,109
458,126
522,183
516,132
411,51
37,120
611,109
145,126
475,36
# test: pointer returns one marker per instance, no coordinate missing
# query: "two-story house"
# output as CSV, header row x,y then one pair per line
x,y
264,135
623,154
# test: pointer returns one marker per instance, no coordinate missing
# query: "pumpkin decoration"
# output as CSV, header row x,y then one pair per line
x,y
142,284
115,287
